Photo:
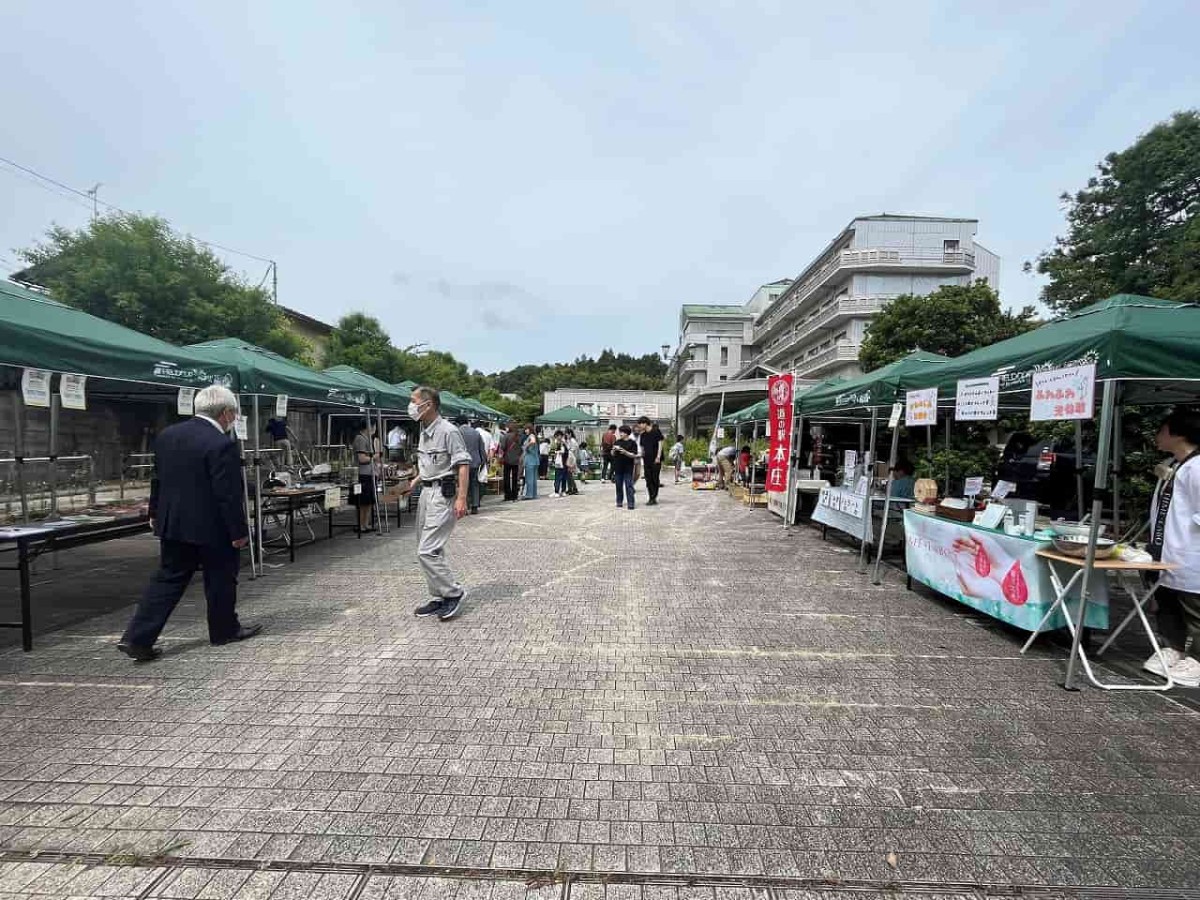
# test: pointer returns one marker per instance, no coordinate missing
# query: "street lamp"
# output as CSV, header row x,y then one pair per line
x,y
683,356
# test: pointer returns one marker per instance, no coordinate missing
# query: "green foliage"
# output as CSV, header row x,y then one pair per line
x,y
693,449
135,271
618,371
1135,227
964,460
952,320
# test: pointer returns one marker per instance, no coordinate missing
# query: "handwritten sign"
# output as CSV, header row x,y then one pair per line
x,y
863,486
921,407
897,412
977,399
842,501
851,460
333,498
1002,489
974,486
1063,394
35,387
185,403
281,405
73,391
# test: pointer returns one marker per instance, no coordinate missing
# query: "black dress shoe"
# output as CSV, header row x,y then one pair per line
x,y
139,654
244,633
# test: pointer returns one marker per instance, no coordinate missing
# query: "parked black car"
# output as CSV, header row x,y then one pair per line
x,y
1045,471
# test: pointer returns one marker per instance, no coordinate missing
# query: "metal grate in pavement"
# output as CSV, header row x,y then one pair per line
x,y
579,883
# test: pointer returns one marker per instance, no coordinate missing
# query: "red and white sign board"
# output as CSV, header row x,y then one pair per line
x,y
779,392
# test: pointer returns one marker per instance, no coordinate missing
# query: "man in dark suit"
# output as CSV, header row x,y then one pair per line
x,y
198,511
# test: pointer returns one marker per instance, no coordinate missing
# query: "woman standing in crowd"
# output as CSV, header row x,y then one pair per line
x,y
532,462
558,447
544,461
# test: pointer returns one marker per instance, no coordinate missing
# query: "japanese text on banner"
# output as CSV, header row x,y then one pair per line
x,y
779,390
1067,393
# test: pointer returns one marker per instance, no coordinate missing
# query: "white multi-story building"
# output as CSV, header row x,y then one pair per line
x,y
716,342
817,325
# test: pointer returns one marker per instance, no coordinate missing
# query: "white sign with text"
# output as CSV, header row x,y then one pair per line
x,y
977,400
921,407
73,391
1063,394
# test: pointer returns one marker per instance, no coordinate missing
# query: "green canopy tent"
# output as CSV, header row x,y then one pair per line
x,y
406,385
38,332
1149,345
856,397
567,415
386,396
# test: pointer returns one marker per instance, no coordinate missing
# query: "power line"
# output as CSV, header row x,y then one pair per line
x,y
91,199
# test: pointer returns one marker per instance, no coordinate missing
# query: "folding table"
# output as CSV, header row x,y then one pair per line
x,y
1127,573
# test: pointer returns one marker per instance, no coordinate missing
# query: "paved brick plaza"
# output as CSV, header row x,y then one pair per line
x,y
686,690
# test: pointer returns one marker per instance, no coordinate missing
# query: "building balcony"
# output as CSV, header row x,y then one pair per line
x,y
833,316
949,262
835,357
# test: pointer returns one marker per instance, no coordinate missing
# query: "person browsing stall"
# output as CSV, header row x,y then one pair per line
x,y
365,456
444,466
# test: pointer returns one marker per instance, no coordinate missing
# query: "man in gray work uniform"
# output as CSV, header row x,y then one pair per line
x,y
445,471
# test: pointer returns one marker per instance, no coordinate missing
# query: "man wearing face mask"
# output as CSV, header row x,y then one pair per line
x,y
444,466
197,509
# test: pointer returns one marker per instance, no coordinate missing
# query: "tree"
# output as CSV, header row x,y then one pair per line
x,y
951,321
135,271
1135,228
360,341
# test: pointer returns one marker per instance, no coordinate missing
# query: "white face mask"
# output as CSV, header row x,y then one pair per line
x,y
414,409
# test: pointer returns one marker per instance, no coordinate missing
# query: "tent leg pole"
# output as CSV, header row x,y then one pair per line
x,y
948,426
1079,470
1118,450
1089,570
19,441
258,492
753,449
887,502
794,445
253,546
868,535
929,446
52,470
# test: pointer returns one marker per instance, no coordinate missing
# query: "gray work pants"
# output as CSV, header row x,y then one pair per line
x,y
435,522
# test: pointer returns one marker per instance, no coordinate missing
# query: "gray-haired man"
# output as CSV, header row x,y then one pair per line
x,y
444,466
197,509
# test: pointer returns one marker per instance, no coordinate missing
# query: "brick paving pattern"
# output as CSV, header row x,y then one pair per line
x,y
685,690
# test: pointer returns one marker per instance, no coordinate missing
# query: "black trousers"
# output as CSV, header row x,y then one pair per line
x,y
653,473
1179,618
512,479
178,563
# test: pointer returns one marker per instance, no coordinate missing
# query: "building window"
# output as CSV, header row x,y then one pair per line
x,y
724,356
841,336
724,377
950,246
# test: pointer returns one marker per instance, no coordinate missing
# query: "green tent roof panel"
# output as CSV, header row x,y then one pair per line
x,y
261,371
38,332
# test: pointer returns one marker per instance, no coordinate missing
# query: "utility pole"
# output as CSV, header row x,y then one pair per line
x,y
274,283
95,202
683,356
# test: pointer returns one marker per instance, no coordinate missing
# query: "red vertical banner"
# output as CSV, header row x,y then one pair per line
x,y
779,391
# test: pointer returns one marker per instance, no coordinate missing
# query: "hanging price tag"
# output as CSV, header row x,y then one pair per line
x,y
185,403
281,405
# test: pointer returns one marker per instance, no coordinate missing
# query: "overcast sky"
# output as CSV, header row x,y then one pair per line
x,y
530,181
